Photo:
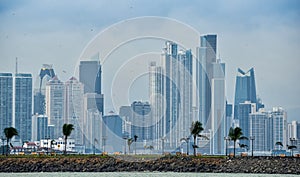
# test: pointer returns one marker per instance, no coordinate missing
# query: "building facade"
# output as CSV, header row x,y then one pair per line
x,y
55,90
73,113
23,105
6,101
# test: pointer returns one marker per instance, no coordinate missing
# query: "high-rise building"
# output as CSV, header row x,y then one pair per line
x,y
90,75
218,107
142,123
178,93
244,110
259,131
156,95
23,105
55,91
229,121
73,113
206,57
6,101
210,93
112,133
46,73
245,89
278,128
92,123
40,128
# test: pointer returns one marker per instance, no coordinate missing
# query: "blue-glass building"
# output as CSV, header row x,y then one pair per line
x,y
6,101
90,74
245,89
23,105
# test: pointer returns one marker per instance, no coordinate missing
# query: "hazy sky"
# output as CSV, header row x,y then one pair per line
x,y
260,34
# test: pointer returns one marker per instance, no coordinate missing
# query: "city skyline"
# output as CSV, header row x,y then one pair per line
x,y
270,30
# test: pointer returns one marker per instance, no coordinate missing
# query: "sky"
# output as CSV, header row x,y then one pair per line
x,y
260,34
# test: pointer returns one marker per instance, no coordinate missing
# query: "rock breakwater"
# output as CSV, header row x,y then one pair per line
x,y
268,165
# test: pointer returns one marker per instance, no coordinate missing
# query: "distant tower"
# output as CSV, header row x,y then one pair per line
x,y
90,75
73,105
245,89
46,73
23,105
156,95
55,104
6,101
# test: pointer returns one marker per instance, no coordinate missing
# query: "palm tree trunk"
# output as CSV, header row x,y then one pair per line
x,y
7,140
234,148
65,145
194,146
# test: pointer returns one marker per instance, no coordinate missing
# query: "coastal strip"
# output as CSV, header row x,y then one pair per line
x,y
265,165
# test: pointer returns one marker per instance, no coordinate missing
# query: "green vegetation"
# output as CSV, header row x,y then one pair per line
x,y
67,130
9,132
196,129
236,134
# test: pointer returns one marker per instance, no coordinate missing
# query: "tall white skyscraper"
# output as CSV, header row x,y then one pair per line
x,y
210,93
278,127
178,93
259,130
73,113
156,95
92,122
55,90
218,104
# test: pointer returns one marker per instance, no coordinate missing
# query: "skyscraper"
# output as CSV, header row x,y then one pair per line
x,y
90,75
73,113
244,110
46,73
112,133
210,93
260,130
92,123
218,112
23,105
245,89
55,90
142,123
178,93
6,100
278,127
206,55
40,128
156,95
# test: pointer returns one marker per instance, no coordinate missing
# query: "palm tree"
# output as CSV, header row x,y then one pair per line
x,y
135,139
10,132
67,130
196,129
129,142
236,134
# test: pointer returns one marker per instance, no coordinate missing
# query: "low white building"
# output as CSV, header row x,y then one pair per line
x,y
58,144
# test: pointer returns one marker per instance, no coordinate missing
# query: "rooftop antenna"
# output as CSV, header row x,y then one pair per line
x,y
16,65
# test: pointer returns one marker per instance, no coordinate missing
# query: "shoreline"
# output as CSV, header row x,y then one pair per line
x,y
258,165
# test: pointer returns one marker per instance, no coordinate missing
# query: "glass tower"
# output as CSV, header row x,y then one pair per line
x,y
245,89
6,100
23,105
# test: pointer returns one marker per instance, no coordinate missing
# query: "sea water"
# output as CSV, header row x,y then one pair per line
x,y
140,174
